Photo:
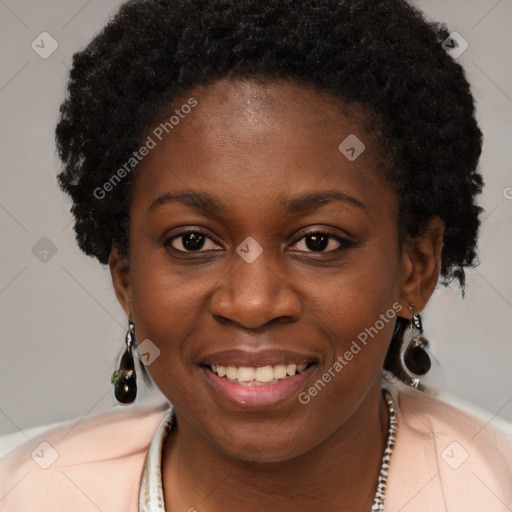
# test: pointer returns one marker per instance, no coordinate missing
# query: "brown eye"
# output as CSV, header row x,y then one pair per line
x,y
318,241
190,241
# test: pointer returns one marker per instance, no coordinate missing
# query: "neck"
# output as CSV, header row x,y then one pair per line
x,y
339,474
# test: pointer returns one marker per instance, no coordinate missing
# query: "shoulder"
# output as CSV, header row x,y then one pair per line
x,y
423,412
89,464
447,459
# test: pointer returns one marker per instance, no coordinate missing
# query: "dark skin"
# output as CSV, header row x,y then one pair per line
x,y
250,146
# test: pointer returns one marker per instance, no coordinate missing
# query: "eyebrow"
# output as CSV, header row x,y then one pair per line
x,y
298,204
198,200
313,201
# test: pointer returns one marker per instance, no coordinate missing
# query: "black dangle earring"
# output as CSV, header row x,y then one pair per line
x,y
124,379
416,359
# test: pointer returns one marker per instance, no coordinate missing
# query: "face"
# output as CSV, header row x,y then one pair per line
x,y
259,249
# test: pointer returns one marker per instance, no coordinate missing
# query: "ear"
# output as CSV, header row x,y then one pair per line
x,y
121,278
421,260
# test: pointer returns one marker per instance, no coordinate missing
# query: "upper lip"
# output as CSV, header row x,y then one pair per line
x,y
256,358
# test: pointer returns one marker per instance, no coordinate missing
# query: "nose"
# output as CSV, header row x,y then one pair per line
x,y
253,295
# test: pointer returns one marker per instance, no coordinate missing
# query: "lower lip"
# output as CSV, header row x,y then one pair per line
x,y
257,396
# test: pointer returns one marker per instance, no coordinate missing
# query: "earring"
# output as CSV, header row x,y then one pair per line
x,y
124,379
416,359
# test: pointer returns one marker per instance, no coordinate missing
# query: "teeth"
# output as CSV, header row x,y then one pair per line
x,y
280,371
262,374
231,372
247,374
265,374
291,369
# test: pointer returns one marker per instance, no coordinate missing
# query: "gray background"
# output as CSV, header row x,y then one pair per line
x,y
61,326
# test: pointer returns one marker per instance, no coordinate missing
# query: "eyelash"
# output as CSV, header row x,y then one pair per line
x,y
344,242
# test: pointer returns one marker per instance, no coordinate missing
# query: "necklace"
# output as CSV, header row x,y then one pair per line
x,y
378,501
151,497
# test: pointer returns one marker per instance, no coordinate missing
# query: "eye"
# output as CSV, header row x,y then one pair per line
x,y
314,241
191,241
319,241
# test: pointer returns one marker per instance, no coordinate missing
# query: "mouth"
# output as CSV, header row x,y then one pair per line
x,y
255,381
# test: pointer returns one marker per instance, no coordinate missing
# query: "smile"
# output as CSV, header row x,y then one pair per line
x,y
258,376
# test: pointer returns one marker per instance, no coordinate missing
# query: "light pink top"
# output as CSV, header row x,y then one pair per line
x,y
443,460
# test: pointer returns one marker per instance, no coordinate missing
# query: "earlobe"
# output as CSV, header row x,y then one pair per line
x,y
121,278
422,265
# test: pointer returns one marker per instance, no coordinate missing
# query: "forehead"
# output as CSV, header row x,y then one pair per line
x,y
255,112
260,141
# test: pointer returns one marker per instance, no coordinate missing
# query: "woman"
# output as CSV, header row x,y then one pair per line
x,y
277,189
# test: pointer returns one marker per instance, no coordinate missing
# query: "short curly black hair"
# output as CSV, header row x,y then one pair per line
x,y
381,54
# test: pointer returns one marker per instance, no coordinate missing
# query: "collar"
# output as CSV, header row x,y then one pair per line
x,y
151,495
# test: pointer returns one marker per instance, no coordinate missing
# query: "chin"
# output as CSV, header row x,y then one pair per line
x,y
270,444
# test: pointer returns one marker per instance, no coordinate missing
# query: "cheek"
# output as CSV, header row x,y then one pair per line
x,y
359,329
355,299
356,311
166,308
166,295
